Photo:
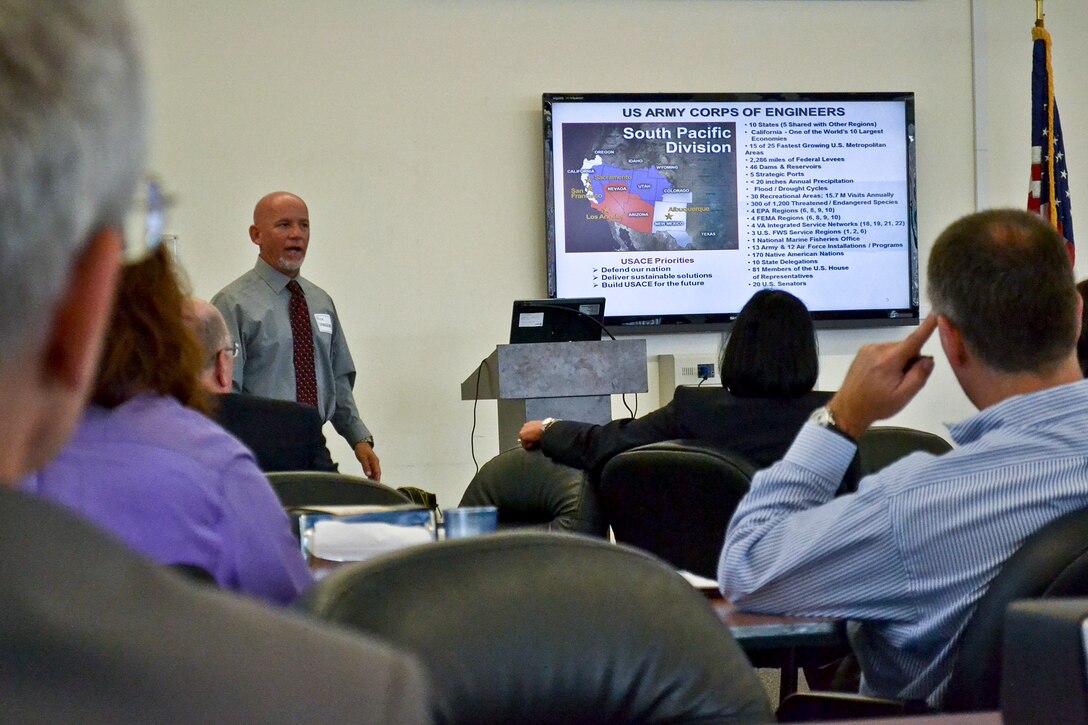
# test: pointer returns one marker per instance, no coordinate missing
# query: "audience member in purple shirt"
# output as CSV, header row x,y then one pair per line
x,y
175,486
148,466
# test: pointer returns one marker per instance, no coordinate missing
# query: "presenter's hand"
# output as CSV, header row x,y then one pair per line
x,y
369,460
530,434
882,380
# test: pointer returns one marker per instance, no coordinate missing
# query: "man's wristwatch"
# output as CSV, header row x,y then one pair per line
x,y
825,419
546,424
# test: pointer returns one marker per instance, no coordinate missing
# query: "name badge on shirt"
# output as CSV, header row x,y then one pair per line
x,y
324,322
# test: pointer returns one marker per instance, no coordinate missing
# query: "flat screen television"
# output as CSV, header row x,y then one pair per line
x,y
678,207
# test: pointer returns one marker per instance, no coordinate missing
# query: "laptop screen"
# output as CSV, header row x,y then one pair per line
x,y
557,320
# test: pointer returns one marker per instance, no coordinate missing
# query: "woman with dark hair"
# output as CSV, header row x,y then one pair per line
x,y
768,369
771,352
148,466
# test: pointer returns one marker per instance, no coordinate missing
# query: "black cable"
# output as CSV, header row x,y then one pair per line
x,y
476,399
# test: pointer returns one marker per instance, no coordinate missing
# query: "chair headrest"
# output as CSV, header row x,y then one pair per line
x,y
528,488
526,627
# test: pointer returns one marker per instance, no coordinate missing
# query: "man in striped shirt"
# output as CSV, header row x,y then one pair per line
x,y
906,558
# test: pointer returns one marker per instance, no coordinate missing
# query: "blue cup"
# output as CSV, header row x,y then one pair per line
x,y
468,521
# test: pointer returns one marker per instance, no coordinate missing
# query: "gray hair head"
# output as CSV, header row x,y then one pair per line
x,y
209,328
73,122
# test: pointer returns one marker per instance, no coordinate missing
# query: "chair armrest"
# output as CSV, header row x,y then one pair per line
x,y
809,706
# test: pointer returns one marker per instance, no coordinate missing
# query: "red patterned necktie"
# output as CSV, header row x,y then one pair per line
x,y
303,340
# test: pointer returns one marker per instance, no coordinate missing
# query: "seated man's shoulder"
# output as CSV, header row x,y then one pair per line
x,y
169,436
257,405
166,649
161,421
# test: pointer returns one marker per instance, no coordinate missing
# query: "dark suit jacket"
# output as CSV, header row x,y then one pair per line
x,y
284,435
760,429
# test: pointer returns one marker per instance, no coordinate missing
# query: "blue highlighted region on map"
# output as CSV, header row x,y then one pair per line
x,y
648,184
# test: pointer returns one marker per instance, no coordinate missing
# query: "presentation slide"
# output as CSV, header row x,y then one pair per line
x,y
673,208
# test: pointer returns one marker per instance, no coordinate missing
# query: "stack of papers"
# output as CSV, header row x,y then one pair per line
x,y
358,533
699,582
337,540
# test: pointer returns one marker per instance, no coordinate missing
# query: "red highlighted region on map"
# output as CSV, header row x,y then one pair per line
x,y
619,205
624,196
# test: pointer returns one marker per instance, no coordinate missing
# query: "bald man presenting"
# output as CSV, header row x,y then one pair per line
x,y
291,345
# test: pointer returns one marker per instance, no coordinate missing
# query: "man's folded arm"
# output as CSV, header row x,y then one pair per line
x,y
792,548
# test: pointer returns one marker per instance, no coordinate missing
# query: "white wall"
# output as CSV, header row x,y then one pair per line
x,y
412,128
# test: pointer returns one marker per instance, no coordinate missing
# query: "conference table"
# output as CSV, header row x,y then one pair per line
x,y
961,718
782,639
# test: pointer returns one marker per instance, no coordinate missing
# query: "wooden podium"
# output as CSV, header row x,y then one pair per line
x,y
570,380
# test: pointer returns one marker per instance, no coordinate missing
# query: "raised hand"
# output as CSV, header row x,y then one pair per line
x,y
882,380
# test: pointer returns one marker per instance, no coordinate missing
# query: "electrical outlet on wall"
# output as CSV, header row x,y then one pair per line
x,y
673,370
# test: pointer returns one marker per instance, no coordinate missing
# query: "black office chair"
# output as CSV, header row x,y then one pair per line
x,y
881,446
532,491
1045,675
300,489
1052,562
675,499
526,627
317,488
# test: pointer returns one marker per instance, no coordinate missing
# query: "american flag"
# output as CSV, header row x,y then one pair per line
x,y
1049,193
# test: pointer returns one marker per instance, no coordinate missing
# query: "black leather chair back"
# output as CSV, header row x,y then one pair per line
x,y
882,446
313,488
531,490
675,499
1052,562
1045,676
527,627
299,489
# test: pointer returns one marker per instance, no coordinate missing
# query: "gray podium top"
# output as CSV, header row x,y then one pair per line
x,y
559,369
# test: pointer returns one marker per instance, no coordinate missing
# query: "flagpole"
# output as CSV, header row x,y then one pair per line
x,y
1049,196
1052,182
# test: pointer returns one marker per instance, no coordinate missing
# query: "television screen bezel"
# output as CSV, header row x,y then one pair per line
x,y
840,319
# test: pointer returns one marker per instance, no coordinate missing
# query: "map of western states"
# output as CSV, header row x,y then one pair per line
x,y
625,196
640,195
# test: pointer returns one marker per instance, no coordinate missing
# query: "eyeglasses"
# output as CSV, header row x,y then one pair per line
x,y
234,348
145,222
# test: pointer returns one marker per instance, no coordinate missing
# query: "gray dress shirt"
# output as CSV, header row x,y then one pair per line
x,y
255,307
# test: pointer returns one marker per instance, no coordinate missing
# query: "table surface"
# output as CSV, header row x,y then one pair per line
x,y
963,718
765,631
778,641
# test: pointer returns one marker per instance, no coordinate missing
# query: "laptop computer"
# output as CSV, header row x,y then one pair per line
x,y
574,319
